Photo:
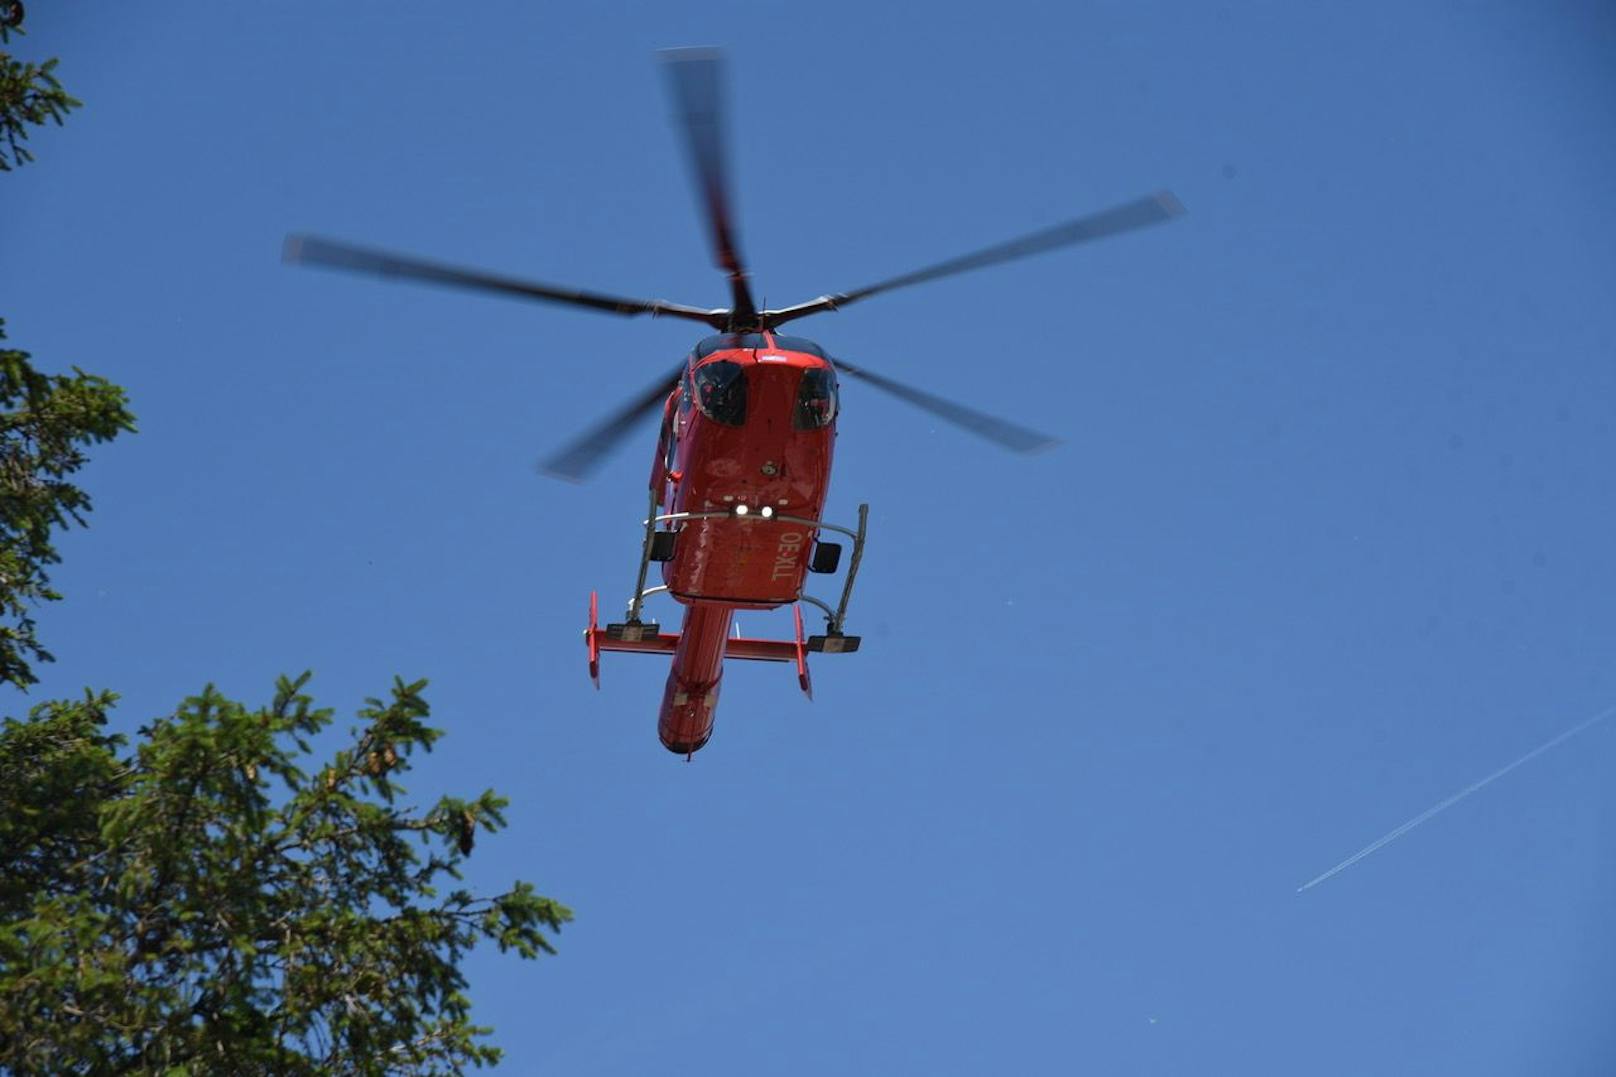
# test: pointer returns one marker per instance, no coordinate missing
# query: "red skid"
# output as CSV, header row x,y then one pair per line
x,y
802,656
591,637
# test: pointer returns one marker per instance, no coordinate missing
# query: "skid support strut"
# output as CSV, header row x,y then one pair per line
x,y
645,561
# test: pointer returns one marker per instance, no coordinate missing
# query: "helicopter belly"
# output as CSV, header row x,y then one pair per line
x,y
739,561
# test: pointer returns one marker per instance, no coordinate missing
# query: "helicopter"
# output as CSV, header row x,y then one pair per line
x,y
748,427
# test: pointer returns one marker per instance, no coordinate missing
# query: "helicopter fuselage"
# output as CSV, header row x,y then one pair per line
x,y
744,458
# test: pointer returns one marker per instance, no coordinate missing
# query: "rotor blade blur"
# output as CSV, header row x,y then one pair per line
x,y
311,250
1002,431
695,77
585,453
1140,213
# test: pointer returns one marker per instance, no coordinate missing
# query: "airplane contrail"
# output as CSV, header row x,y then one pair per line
x,y
1443,806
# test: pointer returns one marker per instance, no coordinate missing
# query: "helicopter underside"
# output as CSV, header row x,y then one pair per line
x,y
705,639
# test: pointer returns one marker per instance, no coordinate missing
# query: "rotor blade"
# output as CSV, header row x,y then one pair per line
x,y
311,250
1140,213
584,453
696,79
1006,433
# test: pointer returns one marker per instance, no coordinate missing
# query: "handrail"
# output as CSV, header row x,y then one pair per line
x,y
830,614
715,514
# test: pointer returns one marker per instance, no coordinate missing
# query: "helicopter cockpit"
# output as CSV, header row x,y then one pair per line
x,y
718,387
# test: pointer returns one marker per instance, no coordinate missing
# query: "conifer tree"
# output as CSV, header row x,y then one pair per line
x,y
208,898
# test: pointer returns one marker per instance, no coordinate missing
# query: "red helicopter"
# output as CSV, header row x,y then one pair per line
x,y
743,460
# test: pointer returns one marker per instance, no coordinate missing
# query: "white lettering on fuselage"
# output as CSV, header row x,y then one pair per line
x,y
786,554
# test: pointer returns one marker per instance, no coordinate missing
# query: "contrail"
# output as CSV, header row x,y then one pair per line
x,y
1455,798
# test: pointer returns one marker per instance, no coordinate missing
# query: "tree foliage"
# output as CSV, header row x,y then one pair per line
x,y
200,902
30,95
205,904
46,422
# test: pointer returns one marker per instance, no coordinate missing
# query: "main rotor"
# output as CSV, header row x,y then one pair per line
x,y
695,79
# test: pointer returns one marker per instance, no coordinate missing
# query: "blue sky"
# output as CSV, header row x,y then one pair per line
x,y
1327,539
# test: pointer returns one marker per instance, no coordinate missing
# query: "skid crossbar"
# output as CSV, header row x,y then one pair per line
x,y
758,650
612,638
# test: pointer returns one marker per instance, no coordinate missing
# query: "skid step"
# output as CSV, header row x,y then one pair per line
x,y
835,643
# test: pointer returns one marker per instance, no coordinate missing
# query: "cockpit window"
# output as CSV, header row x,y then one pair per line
x,y
799,344
730,340
816,399
721,392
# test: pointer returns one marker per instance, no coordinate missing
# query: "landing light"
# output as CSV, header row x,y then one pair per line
x,y
741,510
766,512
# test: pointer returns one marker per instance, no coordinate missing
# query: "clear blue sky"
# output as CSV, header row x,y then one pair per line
x,y
1329,537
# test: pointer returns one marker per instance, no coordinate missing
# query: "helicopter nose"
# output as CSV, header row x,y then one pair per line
x,y
772,383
